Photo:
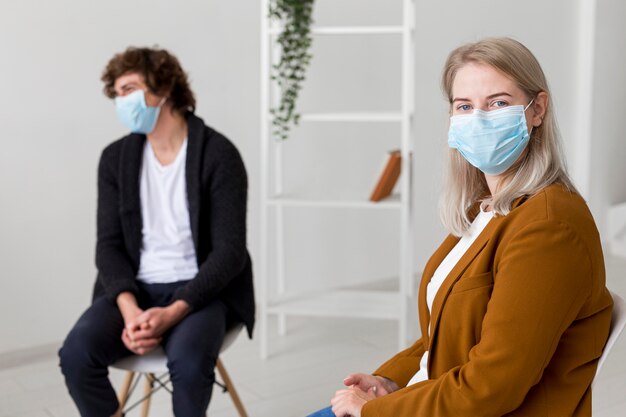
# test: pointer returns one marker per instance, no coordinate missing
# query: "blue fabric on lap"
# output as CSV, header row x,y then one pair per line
x,y
324,412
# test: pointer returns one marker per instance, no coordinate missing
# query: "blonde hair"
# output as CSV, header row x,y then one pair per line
x,y
541,164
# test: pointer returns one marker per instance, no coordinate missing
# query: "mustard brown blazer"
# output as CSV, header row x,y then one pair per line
x,y
518,325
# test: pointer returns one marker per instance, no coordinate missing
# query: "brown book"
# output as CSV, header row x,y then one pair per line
x,y
388,177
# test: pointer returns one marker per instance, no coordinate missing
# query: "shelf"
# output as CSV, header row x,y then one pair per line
x,y
275,203
352,117
349,30
392,202
384,305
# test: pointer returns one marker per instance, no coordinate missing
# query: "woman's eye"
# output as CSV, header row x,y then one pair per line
x,y
464,107
500,103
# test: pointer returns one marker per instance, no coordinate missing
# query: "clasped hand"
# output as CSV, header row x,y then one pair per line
x,y
144,332
361,388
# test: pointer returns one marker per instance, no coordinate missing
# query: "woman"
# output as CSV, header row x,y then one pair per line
x,y
514,312
173,268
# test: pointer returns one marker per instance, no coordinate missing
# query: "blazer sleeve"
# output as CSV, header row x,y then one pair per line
x,y
401,367
227,228
541,281
115,268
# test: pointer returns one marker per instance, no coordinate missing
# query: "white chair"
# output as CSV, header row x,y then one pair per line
x,y
154,363
618,322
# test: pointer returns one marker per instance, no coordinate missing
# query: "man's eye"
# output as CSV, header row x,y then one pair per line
x,y
126,91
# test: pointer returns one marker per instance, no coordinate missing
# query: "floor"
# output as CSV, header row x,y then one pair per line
x,y
305,369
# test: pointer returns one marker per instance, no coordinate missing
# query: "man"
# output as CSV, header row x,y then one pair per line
x,y
173,268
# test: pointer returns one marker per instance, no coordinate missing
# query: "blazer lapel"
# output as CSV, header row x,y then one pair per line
x,y
429,270
455,274
130,203
433,318
193,163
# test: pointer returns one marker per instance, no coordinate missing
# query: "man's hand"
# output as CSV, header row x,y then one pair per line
x,y
139,346
131,312
349,402
379,386
155,321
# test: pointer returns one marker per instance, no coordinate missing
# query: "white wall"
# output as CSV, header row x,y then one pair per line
x,y
608,146
55,121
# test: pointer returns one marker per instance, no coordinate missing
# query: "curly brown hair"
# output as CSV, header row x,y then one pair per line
x,y
161,71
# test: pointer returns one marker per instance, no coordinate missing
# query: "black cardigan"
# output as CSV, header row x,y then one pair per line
x,y
217,196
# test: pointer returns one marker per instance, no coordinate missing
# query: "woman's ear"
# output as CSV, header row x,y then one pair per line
x,y
539,107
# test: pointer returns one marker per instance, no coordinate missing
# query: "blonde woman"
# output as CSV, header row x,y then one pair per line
x,y
514,312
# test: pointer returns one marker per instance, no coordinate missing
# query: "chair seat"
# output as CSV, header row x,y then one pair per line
x,y
155,362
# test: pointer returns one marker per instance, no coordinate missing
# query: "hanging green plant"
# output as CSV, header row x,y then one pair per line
x,y
295,40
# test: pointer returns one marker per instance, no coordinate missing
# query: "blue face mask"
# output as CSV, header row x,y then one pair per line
x,y
490,140
135,114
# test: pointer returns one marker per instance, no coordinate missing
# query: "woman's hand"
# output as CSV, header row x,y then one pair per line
x,y
365,382
349,402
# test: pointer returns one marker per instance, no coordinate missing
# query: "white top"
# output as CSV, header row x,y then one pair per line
x,y
167,250
478,225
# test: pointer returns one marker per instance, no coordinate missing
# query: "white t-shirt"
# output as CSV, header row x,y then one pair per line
x,y
478,225
167,250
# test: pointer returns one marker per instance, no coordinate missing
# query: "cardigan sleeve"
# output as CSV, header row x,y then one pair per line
x,y
226,225
115,268
541,282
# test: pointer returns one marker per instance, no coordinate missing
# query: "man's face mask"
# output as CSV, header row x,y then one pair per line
x,y
135,114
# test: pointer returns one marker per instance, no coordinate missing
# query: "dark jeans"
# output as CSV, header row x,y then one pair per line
x,y
192,348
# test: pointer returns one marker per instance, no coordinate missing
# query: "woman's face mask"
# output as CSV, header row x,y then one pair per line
x,y
490,140
135,114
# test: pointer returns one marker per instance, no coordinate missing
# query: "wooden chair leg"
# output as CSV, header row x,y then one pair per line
x,y
147,391
231,389
124,392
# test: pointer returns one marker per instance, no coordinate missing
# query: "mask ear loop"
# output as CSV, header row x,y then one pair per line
x,y
530,133
163,100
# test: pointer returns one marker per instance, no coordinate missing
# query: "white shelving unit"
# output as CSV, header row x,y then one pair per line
x,y
389,305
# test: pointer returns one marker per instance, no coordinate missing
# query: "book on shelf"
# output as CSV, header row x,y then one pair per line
x,y
388,177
